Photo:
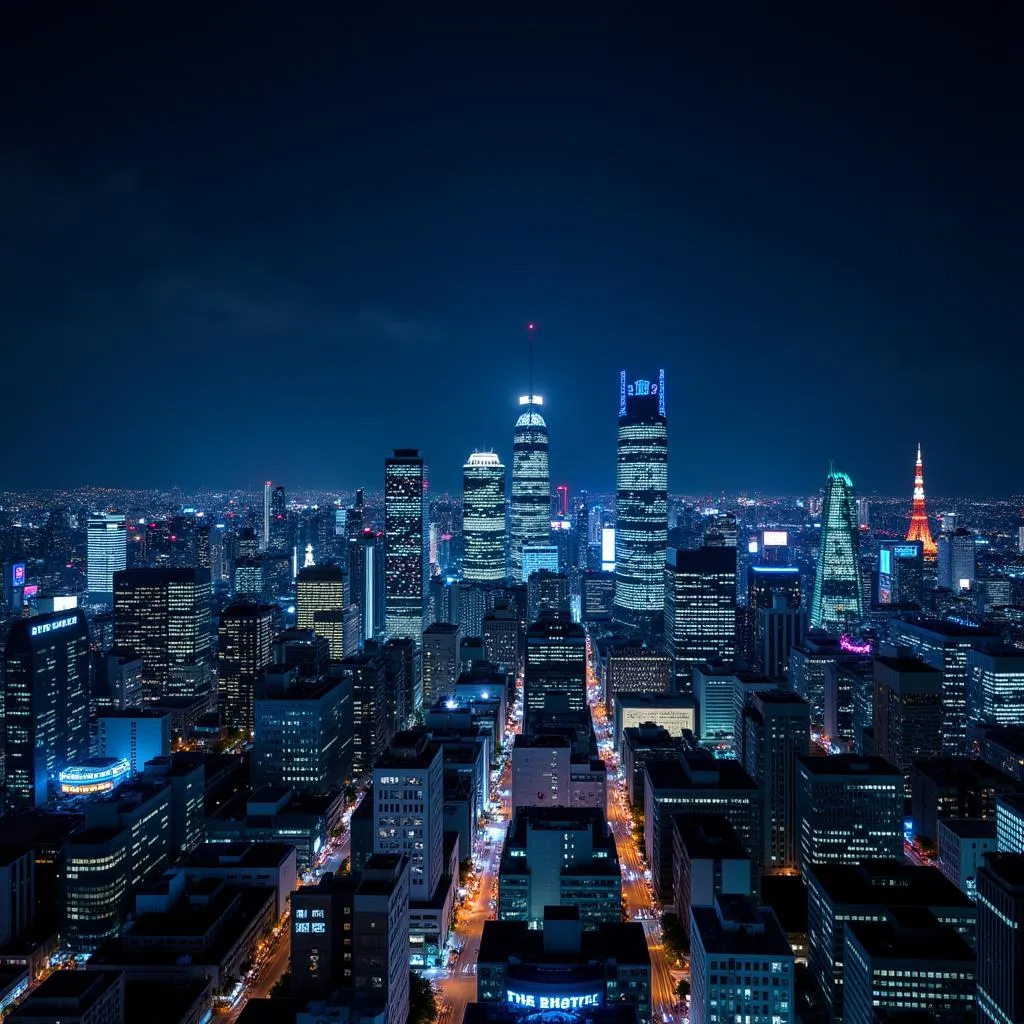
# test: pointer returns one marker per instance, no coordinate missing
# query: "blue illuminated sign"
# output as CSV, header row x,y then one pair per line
x,y
18,574
538,1002
885,561
52,627
905,551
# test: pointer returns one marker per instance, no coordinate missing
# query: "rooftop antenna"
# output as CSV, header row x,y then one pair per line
x,y
529,355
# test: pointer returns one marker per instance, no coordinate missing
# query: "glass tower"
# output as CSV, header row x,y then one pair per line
x,y
641,526
531,484
483,517
107,552
404,514
838,599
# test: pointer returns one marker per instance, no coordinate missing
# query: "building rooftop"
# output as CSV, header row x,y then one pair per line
x,y
251,855
132,713
970,828
905,663
850,765
157,1003
887,883
964,771
505,941
1007,866
706,836
947,629
922,940
737,925
697,773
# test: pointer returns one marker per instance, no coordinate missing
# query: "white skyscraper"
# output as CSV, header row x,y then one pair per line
x,y
107,552
268,493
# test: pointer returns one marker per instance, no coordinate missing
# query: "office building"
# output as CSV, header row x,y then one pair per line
x,y
530,515
164,615
550,770
777,731
1001,746
628,669
962,845
838,894
350,937
708,860
714,685
907,714
958,565
741,965
1001,939
700,607
849,808
298,731
995,685
597,599
900,573
75,997
944,645
539,558
777,631
907,962
955,787
1010,823
135,736
365,678
503,636
546,591
562,966
45,705
405,518
441,662
837,603
106,553
767,583
694,783
280,532
810,660
483,518
366,569
555,856
319,589
641,523
244,637
556,663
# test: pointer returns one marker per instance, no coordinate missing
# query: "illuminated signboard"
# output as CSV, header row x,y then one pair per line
x,y
752,547
52,627
885,561
851,646
642,388
552,1002
608,546
79,780
18,574
776,538
64,602
30,591
310,922
905,551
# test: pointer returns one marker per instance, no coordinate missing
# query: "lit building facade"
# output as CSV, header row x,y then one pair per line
x,y
45,705
244,635
530,522
107,553
995,685
641,525
483,518
837,602
1001,939
405,516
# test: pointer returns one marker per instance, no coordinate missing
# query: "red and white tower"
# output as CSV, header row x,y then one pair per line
x,y
919,529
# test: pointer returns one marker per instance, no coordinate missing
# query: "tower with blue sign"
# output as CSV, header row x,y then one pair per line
x,y
641,528
837,603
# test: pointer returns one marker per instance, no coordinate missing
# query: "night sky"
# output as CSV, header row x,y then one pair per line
x,y
242,242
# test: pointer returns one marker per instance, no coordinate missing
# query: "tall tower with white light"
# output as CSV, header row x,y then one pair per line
x,y
483,517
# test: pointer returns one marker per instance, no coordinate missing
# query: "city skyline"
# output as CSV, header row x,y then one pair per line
x,y
335,220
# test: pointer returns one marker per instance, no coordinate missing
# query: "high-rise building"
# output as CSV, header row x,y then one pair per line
x,y
372,722
539,558
740,960
483,517
838,599
641,524
107,553
546,591
556,663
907,712
995,685
441,663
900,572
530,521
321,604
777,731
503,636
268,495
45,705
1001,939
164,615
919,529
244,633
405,514
849,809
366,573
281,539
700,607
958,566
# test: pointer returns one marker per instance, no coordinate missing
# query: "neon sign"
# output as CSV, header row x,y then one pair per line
x,y
52,627
18,574
535,1002
78,780
851,646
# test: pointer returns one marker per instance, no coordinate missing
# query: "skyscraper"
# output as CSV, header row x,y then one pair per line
x,y
366,569
245,632
268,490
483,517
919,529
531,484
107,553
957,560
164,616
404,516
641,527
1000,948
838,599
280,539
45,707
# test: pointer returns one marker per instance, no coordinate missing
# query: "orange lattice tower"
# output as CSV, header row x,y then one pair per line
x,y
918,517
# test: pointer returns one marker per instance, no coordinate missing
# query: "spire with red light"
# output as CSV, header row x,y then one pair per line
x,y
919,529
